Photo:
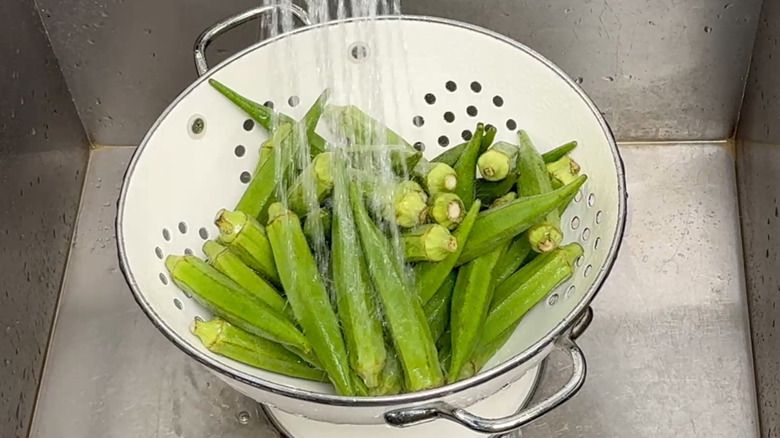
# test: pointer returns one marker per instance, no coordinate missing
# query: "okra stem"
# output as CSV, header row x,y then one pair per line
x,y
308,296
222,338
430,276
435,177
563,171
248,240
428,243
498,161
447,209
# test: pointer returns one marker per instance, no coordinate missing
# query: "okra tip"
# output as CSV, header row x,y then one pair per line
x,y
213,249
230,223
277,210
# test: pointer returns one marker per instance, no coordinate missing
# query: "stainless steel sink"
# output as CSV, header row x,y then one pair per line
x,y
683,343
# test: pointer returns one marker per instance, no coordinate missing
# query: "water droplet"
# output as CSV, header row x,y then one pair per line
x,y
707,29
103,14
243,417
608,78
33,131
90,42
579,80
567,11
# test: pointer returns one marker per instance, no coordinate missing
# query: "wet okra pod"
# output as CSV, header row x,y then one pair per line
x,y
520,292
402,309
391,381
308,296
470,303
249,241
230,264
437,309
357,310
466,168
226,299
428,243
451,155
447,210
497,226
314,220
225,339
430,276
260,192
498,161
535,180
489,191
512,258
315,181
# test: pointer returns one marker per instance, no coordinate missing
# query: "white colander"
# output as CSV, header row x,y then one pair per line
x,y
200,153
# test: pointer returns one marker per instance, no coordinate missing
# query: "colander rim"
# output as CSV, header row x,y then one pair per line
x,y
380,401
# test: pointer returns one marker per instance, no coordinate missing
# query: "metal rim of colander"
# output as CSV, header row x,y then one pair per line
x,y
414,397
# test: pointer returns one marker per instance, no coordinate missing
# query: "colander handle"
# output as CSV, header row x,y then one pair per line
x,y
523,417
217,29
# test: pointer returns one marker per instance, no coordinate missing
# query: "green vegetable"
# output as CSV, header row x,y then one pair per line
x,y
447,209
498,161
222,338
226,299
317,177
484,353
520,292
512,258
437,309
451,155
430,276
466,168
268,119
428,243
563,171
308,296
497,226
402,309
470,303
228,263
248,240
260,192
487,139
401,202
559,152
313,220
489,191
361,129
358,312
535,180
391,381
504,200
435,177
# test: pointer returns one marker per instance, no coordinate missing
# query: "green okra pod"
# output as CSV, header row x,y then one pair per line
x,y
497,226
230,264
226,299
484,353
402,309
498,161
249,241
466,168
318,177
451,155
447,210
391,381
428,243
520,292
261,190
430,276
357,309
225,339
435,177
559,152
402,158
310,224
535,180
470,303
437,309
512,258
308,296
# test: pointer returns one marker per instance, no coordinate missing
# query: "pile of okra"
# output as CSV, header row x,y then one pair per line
x,y
478,231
